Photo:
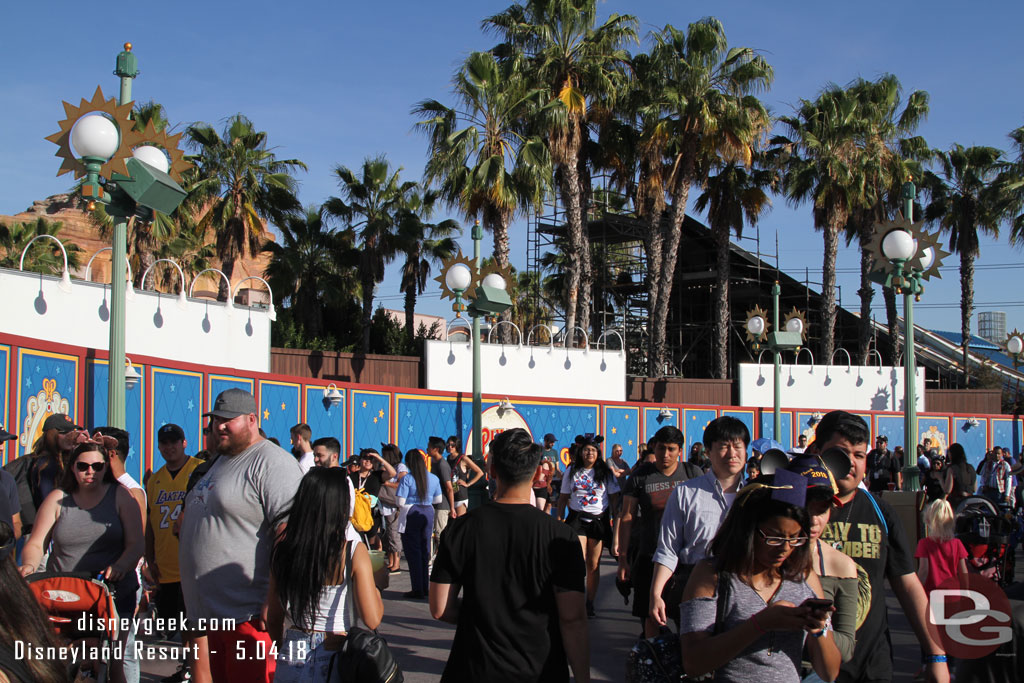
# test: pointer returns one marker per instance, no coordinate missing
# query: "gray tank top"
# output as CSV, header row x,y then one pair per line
x,y
87,540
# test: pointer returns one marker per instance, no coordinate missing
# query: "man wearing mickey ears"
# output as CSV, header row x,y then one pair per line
x,y
868,530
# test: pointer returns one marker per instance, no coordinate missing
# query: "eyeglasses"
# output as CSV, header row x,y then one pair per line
x,y
776,541
86,466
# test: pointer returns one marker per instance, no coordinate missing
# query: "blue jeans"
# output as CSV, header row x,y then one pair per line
x,y
302,658
419,524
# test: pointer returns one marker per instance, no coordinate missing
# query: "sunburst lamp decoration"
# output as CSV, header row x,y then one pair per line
x,y
123,168
903,257
796,323
486,291
756,326
1015,345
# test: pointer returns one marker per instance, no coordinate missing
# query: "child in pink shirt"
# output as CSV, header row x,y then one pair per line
x,y
940,555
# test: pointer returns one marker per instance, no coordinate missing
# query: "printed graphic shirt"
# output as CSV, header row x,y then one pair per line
x,y
879,546
165,494
586,494
652,491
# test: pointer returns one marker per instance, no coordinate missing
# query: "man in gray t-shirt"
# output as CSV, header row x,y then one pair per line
x,y
230,523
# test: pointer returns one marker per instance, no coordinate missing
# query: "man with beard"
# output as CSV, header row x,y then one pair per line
x,y
302,449
232,518
51,451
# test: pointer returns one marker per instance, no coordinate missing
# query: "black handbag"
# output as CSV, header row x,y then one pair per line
x,y
660,659
365,656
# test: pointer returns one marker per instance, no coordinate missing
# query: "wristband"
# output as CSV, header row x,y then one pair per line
x,y
934,659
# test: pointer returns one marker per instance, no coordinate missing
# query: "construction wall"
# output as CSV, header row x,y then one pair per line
x,y
42,378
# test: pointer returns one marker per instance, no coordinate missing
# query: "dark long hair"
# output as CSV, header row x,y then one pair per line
x,y
601,469
310,553
21,617
732,549
418,471
69,483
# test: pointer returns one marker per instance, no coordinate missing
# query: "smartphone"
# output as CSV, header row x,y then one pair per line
x,y
818,603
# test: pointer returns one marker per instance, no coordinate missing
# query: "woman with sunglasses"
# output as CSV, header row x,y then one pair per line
x,y
95,527
772,602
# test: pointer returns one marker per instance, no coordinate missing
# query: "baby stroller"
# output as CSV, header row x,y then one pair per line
x,y
81,609
985,531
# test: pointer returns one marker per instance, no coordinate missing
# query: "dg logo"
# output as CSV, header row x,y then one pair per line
x,y
971,618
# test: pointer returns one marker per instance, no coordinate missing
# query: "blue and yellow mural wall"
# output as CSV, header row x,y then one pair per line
x,y
41,379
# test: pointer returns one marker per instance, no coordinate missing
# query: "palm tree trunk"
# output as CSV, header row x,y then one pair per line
x,y
574,247
722,311
892,322
498,222
586,257
866,293
410,316
653,239
966,307
828,285
223,287
367,287
670,252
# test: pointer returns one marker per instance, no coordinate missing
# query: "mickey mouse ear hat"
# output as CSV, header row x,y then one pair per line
x,y
589,439
822,472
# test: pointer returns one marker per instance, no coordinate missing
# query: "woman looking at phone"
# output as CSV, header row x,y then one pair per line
x,y
773,604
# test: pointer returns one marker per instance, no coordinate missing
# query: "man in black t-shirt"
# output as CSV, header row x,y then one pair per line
x,y
883,466
521,573
867,529
644,497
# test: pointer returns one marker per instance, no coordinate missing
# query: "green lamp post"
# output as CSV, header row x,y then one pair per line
x,y
133,174
485,292
788,338
903,258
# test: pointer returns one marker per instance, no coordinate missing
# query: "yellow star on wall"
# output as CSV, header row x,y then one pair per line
x,y
630,442
380,413
625,417
364,404
266,414
282,406
615,430
374,420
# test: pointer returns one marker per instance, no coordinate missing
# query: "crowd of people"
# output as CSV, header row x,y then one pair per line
x,y
751,568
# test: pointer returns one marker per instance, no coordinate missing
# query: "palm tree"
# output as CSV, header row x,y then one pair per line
x,y
190,250
370,203
43,256
967,197
481,159
311,267
819,158
1014,181
241,185
560,47
707,111
732,196
422,243
888,156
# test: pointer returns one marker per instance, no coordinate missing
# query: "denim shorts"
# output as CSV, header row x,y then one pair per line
x,y
302,658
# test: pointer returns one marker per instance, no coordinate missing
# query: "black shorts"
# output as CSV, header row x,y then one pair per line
x,y
170,607
641,573
541,493
585,524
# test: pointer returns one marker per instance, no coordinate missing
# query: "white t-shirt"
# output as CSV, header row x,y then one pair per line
x,y
128,481
306,461
585,493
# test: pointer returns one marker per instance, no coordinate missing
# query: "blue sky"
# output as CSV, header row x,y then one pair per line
x,y
333,82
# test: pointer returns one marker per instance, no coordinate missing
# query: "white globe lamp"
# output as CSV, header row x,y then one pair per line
x,y
152,156
898,245
458,277
95,136
755,326
1015,345
795,325
495,280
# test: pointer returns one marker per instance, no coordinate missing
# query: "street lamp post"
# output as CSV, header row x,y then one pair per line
x,y
133,173
788,338
486,290
904,256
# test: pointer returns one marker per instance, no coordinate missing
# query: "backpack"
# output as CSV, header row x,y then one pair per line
x,y
362,512
19,468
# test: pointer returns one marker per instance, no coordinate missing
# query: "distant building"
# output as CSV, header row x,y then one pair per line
x,y
418,319
992,326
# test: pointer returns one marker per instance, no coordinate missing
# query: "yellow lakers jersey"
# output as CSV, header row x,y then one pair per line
x,y
166,495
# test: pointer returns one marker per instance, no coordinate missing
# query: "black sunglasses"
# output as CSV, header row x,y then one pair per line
x,y
85,466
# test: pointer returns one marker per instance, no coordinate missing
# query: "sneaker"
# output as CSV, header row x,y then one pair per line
x,y
179,676
590,609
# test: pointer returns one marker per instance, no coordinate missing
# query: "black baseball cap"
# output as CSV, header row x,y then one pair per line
x,y
6,435
170,432
550,437
62,423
